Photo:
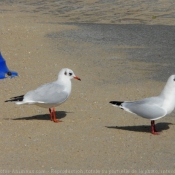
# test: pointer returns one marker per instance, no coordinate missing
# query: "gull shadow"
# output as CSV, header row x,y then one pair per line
x,y
59,115
142,128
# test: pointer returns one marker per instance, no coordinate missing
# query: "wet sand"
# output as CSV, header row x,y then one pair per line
x,y
121,50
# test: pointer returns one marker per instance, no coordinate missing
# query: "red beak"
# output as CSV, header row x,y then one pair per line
x,y
77,78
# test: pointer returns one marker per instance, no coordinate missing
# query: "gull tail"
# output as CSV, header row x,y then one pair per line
x,y
17,99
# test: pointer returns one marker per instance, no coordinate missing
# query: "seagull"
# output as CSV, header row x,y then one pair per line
x,y
49,95
152,108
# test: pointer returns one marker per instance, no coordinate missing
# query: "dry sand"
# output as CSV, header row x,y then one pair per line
x,y
38,38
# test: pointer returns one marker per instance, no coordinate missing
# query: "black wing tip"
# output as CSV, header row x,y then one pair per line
x,y
118,103
9,100
21,96
18,98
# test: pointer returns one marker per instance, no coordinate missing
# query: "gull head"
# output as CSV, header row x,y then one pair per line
x,y
68,74
171,80
169,89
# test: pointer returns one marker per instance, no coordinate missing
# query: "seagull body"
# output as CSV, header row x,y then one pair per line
x,y
152,108
49,95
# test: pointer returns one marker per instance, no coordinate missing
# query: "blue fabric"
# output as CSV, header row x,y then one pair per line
x,y
4,71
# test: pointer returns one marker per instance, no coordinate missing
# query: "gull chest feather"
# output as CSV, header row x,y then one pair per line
x,y
169,103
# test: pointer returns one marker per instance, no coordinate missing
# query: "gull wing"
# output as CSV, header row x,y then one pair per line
x,y
51,93
145,108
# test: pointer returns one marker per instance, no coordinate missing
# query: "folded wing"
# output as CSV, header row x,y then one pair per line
x,y
48,93
146,110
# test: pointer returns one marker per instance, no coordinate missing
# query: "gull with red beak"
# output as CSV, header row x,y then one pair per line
x,y
49,95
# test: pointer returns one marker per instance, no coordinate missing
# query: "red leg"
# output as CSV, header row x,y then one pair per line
x,y
153,128
54,116
51,114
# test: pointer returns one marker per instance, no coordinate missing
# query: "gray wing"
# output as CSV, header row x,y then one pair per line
x,y
48,93
149,108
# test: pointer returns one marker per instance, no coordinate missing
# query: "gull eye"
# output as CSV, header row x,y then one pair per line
x,y
65,73
9,73
70,74
174,79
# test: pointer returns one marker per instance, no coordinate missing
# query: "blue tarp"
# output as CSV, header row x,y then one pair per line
x,y
4,71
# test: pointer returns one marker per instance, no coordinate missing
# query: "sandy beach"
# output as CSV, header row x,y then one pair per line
x,y
122,50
